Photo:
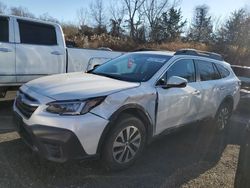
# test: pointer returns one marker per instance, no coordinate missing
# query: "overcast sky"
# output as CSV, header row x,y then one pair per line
x,y
65,10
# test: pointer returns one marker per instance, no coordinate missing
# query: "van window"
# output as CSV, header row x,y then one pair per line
x,y
223,71
207,71
37,33
4,29
183,68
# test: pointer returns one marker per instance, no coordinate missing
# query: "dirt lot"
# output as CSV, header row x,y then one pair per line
x,y
192,157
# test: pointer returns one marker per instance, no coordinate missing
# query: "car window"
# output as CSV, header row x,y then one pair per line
x,y
223,71
183,68
4,29
207,71
216,73
132,67
37,33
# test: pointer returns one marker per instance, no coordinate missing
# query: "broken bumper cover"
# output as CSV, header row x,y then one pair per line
x,y
52,143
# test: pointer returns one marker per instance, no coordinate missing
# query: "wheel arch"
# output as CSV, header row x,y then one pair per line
x,y
132,109
228,100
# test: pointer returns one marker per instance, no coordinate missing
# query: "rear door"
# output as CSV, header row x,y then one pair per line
x,y
38,52
7,51
178,106
209,78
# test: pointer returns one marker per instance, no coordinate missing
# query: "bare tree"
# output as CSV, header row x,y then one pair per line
x,y
133,7
82,15
3,8
153,9
21,11
47,17
98,13
117,12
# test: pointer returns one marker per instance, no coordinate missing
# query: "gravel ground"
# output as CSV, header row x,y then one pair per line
x,y
192,157
221,175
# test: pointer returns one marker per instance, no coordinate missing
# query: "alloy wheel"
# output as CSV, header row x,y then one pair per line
x,y
126,144
223,118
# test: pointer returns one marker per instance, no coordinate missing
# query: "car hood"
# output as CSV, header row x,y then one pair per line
x,y
77,86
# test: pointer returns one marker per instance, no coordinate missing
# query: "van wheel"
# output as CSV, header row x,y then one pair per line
x,y
222,117
124,143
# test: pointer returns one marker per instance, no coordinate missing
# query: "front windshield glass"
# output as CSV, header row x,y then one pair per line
x,y
132,67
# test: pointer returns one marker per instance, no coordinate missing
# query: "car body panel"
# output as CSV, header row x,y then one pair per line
x,y
178,106
88,128
7,57
77,86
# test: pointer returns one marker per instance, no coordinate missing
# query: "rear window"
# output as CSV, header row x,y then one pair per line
x,y
223,71
207,71
4,29
37,33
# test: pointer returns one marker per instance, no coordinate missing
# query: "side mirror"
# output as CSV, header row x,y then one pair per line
x,y
92,69
176,81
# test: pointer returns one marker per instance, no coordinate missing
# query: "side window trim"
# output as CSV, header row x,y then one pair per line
x,y
225,69
216,69
198,76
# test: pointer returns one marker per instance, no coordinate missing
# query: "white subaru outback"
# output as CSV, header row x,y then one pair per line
x,y
115,109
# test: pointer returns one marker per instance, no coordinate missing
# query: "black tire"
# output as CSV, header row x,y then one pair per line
x,y
222,117
119,152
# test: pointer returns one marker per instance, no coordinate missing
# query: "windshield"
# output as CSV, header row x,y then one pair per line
x,y
132,67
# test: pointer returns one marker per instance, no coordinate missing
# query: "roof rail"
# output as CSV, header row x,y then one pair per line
x,y
144,49
194,52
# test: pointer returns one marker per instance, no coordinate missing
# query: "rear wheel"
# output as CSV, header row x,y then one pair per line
x,y
222,117
124,143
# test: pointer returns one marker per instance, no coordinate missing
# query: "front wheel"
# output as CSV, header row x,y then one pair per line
x,y
124,143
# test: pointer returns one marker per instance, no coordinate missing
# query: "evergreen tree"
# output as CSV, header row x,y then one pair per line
x,y
236,28
171,24
202,28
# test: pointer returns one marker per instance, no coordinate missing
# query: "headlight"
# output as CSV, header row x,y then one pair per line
x,y
74,107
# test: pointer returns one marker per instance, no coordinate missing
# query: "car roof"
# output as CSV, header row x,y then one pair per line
x,y
37,20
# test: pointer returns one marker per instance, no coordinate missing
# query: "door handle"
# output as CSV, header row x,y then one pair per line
x,y
5,50
196,92
56,53
222,88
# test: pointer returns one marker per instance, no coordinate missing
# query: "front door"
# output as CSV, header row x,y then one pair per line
x,y
7,52
178,106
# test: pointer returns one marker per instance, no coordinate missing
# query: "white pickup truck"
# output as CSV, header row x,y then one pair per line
x,y
31,48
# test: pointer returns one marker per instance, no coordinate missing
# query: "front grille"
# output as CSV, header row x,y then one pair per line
x,y
26,105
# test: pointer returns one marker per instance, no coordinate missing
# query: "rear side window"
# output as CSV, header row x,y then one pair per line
x,y
223,71
207,71
4,29
36,33
183,68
